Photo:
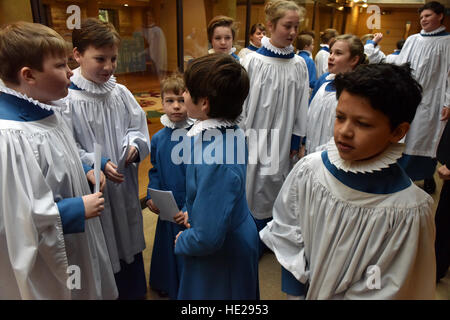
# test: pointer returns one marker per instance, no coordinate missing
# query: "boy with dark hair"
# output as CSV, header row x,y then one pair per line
x,y
348,221
49,225
220,246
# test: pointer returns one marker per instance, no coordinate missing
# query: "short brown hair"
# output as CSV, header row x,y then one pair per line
x,y
257,26
173,83
96,33
304,40
327,35
26,44
222,80
220,21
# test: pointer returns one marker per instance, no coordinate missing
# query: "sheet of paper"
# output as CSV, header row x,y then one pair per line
x,y
123,158
166,204
97,165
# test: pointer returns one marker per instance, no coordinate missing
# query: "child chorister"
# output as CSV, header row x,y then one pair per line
x,y
220,245
347,52
51,240
275,110
348,221
168,174
105,112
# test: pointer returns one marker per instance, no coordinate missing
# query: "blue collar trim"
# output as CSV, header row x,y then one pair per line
x,y
17,109
265,52
442,33
386,181
252,47
73,86
330,86
235,56
325,48
396,53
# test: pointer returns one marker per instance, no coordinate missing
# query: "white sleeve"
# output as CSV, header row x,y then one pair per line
x,y
283,235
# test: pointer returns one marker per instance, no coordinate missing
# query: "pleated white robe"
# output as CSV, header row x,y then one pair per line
x,y
39,165
334,237
429,57
276,108
321,116
109,115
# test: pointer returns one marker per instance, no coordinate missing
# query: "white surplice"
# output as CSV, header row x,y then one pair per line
x,y
343,241
108,114
321,116
321,61
429,56
275,109
39,165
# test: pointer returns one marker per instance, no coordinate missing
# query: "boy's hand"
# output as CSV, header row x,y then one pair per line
x,y
132,155
176,237
152,206
93,205
292,153
91,178
112,174
182,218
377,37
444,173
445,115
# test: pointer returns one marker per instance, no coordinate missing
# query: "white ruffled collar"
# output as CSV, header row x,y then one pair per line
x,y
383,160
201,125
166,122
232,50
17,94
440,29
265,42
90,86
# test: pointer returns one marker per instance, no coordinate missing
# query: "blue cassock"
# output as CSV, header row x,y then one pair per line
x,y
220,250
165,268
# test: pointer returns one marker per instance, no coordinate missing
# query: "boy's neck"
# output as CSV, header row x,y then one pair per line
x,y
25,90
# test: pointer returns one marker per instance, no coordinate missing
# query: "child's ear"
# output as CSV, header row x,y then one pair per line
x,y
205,106
400,132
76,55
26,74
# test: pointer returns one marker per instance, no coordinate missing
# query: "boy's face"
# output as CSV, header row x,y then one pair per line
x,y
285,30
222,40
361,132
257,36
52,83
197,110
97,64
173,106
429,20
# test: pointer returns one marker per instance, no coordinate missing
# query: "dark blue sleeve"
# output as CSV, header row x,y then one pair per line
x,y
71,211
311,72
318,84
372,42
86,168
295,142
153,173
217,189
104,161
